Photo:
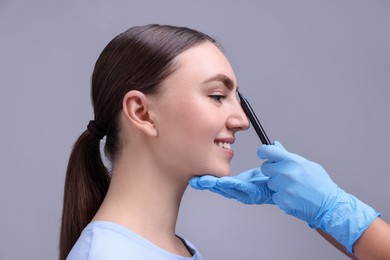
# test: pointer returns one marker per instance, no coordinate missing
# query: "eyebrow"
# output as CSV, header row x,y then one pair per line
x,y
227,82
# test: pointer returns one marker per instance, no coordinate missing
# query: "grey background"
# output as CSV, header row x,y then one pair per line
x,y
317,73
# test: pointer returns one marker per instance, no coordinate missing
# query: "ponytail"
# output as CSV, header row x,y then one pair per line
x,y
86,184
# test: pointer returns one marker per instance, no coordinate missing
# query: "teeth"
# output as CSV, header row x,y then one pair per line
x,y
224,145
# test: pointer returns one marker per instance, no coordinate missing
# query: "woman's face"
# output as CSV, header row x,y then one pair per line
x,y
198,114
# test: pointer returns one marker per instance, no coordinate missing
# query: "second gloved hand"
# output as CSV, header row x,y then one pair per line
x,y
249,187
303,189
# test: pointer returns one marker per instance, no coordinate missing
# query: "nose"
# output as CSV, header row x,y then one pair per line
x,y
237,120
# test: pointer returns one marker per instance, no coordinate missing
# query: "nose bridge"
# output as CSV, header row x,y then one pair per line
x,y
237,118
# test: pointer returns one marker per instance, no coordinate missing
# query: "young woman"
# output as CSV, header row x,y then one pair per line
x,y
164,98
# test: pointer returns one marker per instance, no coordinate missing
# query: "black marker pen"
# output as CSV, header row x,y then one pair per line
x,y
253,119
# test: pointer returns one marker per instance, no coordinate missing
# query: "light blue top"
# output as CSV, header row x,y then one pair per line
x,y
102,240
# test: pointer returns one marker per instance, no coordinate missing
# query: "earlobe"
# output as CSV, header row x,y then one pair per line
x,y
136,109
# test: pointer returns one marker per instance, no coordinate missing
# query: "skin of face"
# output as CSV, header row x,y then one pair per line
x,y
196,109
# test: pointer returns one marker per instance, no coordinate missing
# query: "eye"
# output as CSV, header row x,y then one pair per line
x,y
218,97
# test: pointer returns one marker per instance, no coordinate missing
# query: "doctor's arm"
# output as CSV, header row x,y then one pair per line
x,y
303,189
374,242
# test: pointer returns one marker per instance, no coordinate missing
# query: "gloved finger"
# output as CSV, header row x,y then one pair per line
x,y
244,191
279,200
231,183
247,196
272,169
226,193
274,183
273,153
258,179
238,186
241,188
257,176
255,172
203,182
232,193
194,183
278,144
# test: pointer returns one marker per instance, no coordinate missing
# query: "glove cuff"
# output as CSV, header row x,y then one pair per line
x,y
347,220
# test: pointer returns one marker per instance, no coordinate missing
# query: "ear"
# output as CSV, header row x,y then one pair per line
x,y
137,111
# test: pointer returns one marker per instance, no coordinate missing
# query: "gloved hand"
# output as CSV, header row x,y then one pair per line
x,y
249,187
303,189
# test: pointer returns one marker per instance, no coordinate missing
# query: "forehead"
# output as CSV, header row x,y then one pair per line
x,y
202,63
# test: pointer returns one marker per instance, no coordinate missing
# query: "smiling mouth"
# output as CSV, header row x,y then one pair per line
x,y
224,145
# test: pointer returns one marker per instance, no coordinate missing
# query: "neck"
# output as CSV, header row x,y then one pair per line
x,y
146,200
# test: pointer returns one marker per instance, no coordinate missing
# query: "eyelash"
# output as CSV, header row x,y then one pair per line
x,y
218,98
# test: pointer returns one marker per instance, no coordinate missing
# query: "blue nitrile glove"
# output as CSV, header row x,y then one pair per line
x,y
249,187
303,189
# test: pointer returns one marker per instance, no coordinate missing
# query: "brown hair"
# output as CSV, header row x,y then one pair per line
x,y
137,59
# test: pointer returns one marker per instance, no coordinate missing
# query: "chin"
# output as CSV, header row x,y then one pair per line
x,y
217,172
221,173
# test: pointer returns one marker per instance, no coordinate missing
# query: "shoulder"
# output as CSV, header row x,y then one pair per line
x,y
101,241
105,240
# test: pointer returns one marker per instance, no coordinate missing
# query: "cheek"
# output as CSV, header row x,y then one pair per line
x,y
189,125
199,120
187,115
